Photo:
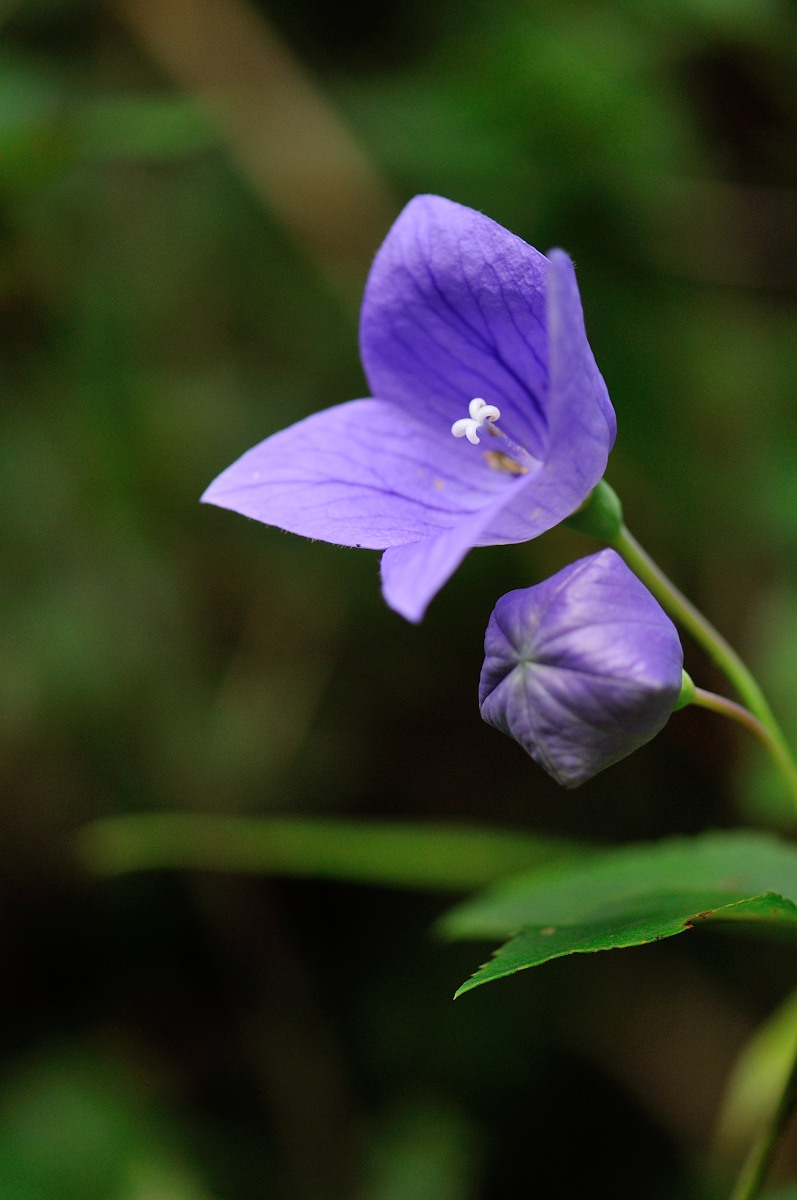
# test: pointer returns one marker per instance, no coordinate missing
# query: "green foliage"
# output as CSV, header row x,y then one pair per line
x,y
163,661
397,854
648,920
630,897
79,1124
423,1149
756,1084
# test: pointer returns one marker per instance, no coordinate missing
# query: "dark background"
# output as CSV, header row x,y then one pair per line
x,y
190,195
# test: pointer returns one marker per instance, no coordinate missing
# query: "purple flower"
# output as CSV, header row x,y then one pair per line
x,y
582,669
490,424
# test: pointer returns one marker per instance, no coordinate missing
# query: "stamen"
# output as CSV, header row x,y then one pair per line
x,y
481,414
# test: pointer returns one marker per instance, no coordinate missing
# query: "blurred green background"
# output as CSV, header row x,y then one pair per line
x,y
190,195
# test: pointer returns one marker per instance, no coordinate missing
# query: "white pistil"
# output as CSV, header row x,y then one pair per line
x,y
481,414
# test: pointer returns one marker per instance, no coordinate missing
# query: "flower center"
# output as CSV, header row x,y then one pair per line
x,y
481,414
512,459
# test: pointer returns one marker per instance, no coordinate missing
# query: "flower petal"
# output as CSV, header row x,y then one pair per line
x,y
574,372
413,574
454,308
581,421
360,474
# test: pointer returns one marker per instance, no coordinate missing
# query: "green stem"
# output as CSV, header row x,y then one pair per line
x,y
756,1167
729,708
774,746
719,650
704,633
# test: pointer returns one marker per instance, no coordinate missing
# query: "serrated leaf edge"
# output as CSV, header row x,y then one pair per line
x,y
720,912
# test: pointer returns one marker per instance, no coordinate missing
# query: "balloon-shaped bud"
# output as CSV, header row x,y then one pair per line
x,y
582,669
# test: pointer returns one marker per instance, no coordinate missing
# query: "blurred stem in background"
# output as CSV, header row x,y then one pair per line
x,y
296,153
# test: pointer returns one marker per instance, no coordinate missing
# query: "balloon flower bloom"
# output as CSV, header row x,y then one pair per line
x,y
488,423
582,669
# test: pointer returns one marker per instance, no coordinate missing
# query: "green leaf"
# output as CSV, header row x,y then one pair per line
x,y
397,854
630,896
671,915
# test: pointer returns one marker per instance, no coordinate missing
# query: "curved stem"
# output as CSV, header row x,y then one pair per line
x,y
729,708
773,745
756,1167
719,650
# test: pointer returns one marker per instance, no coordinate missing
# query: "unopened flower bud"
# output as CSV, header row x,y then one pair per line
x,y
582,669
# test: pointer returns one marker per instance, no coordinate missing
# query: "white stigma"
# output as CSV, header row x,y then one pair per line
x,y
481,414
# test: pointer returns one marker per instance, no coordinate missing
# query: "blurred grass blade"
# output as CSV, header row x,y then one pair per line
x,y
370,851
755,1087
